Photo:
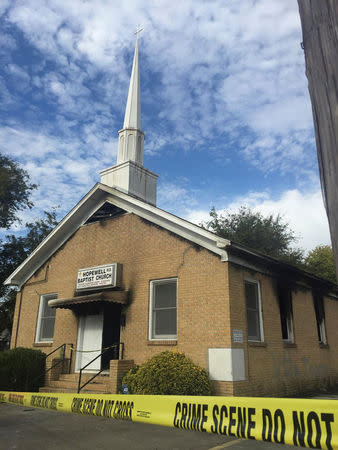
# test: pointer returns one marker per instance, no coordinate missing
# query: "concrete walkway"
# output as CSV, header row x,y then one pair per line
x,y
23,428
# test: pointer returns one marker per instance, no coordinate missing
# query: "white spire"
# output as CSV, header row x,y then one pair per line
x,y
129,175
132,118
131,137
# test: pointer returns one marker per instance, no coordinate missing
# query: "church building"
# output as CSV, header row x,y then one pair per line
x,y
119,280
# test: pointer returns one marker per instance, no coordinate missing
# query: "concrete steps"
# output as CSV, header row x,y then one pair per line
x,y
74,377
69,383
48,389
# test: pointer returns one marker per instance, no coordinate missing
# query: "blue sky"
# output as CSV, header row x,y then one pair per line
x,y
225,105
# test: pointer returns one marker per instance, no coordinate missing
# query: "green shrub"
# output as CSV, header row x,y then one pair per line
x,y
168,373
127,379
22,369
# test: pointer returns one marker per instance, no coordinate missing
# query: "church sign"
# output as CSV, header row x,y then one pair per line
x,y
96,277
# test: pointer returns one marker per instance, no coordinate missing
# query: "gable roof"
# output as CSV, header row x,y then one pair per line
x,y
98,196
105,199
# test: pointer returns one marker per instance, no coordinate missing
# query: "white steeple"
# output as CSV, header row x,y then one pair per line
x,y
132,118
129,175
131,137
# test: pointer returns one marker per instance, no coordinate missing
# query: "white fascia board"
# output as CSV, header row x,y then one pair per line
x,y
58,236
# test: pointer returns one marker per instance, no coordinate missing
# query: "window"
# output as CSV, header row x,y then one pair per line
x,y
163,309
286,316
320,316
253,311
46,319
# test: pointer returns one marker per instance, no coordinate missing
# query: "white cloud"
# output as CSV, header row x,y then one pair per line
x,y
176,196
57,165
303,211
4,5
282,152
26,143
18,72
221,64
282,115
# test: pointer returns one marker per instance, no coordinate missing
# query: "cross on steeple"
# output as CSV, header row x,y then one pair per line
x,y
138,31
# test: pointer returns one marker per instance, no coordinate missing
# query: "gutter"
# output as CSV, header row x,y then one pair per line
x,y
280,268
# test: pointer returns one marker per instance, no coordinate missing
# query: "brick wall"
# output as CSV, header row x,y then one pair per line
x,y
146,252
276,368
209,307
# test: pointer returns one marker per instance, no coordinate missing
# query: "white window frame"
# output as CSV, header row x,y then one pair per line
x,y
260,313
43,298
162,337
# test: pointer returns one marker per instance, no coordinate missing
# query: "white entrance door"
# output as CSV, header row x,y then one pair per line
x,y
89,340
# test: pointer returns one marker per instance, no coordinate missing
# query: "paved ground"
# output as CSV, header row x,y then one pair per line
x,y
25,428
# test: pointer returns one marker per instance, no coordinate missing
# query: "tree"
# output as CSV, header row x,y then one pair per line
x,y
15,191
12,252
269,235
320,261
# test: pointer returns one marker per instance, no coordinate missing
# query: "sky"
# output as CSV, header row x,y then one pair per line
x,y
225,104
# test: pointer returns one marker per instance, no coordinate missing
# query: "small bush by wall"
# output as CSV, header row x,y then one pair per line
x,y
168,373
22,370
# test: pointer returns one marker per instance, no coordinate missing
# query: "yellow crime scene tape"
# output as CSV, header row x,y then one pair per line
x,y
303,423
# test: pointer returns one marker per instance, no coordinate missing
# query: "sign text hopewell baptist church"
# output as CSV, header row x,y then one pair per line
x,y
99,276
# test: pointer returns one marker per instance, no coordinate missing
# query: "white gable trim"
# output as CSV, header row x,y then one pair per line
x,y
95,198
57,237
172,223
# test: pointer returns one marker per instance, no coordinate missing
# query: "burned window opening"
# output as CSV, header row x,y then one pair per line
x,y
107,211
318,304
286,314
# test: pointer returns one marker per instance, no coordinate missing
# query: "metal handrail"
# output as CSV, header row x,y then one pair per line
x,y
64,346
58,362
79,387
